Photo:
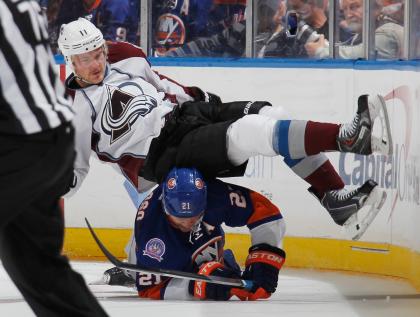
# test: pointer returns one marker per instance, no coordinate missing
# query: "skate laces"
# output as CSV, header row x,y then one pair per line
x,y
349,130
114,271
343,194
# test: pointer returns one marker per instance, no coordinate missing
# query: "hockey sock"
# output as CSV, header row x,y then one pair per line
x,y
324,178
298,139
321,137
318,172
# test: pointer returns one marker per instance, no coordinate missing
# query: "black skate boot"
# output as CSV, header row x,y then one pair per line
x,y
357,136
344,206
117,276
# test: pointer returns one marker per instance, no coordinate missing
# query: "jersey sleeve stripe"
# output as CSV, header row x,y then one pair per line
x,y
262,209
265,220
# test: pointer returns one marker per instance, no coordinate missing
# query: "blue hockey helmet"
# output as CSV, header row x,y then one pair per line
x,y
184,193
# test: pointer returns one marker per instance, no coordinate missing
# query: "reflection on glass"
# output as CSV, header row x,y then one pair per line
x,y
60,12
185,28
216,28
416,29
117,19
299,27
389,33
350,28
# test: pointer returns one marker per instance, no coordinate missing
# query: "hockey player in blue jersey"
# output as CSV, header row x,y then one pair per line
x,y
178,227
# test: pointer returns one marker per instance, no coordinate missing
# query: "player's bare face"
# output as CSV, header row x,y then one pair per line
x,y
184,224
90,66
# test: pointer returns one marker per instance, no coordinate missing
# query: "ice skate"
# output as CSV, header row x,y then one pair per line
x,y
357,136
356,227
344,206
117,276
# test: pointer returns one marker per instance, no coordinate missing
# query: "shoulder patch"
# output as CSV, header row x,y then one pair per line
x,y
155,249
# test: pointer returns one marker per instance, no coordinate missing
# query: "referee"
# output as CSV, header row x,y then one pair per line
x,y
36,166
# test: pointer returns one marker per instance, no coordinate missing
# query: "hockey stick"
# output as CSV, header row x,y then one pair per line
x,y
239,283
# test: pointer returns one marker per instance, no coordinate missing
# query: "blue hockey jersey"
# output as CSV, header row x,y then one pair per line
x,y
118,20
159,245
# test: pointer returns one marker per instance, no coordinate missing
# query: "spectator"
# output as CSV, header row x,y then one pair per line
x,y
416,19
178,23
59,12
229,43
389,33
118,20
312,13
269,30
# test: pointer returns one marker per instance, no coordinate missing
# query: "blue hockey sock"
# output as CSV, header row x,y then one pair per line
x,y
281,138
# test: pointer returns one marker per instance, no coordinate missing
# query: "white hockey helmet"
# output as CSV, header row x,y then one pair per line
x,y
77,37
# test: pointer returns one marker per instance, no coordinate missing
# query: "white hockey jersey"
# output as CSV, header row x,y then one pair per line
x,y
119,118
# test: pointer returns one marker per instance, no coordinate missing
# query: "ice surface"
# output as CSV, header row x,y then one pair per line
x,y
300,293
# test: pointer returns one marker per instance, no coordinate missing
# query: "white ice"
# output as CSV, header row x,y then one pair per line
x,y
300,293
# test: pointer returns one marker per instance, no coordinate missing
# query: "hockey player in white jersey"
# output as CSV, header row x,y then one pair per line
x,y
146,124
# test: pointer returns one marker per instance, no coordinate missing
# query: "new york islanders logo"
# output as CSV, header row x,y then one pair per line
x,y
199,183
155,249
171,183
170,30
122,110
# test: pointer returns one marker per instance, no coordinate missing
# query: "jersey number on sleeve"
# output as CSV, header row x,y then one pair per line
x,y
143,206
147,279
237,199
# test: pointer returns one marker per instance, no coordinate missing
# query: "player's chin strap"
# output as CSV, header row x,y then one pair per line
x,y
86,81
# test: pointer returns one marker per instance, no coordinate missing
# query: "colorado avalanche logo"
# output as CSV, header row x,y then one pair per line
x,y
155,249
199,183
171,183
122,110
170,30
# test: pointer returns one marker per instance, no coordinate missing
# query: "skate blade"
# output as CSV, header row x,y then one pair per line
x,y
98,282
377,109
354,227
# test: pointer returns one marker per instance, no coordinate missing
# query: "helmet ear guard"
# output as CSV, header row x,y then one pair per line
x,y
184,193
78,37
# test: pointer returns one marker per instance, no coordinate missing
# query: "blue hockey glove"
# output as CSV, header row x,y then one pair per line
x,y
262,266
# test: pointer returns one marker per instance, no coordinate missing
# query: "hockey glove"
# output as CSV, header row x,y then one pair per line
x,y
262,266
204,290
200,95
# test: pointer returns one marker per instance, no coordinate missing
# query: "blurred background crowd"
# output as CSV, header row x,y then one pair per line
x,y
279,28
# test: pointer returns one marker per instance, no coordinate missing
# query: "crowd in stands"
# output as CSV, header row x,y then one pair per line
x,y
217,28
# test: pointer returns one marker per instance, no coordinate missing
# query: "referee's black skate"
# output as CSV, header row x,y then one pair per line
x,y
346,206
357,136
117,276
